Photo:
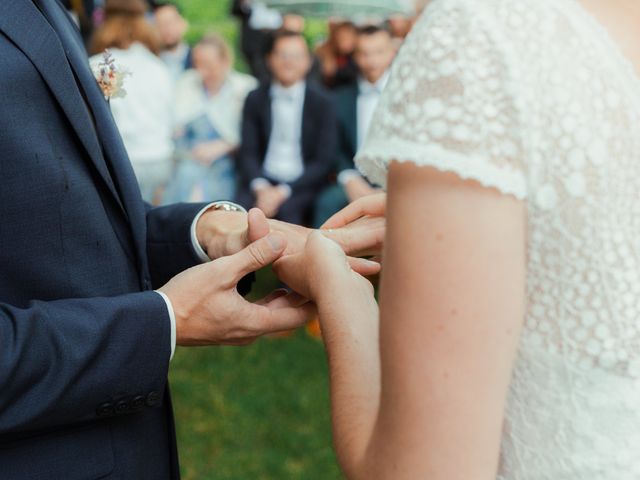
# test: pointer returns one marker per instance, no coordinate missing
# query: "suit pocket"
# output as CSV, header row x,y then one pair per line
x,y
81,454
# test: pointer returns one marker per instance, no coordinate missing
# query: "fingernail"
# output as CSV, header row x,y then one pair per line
x,y
281,292
276,242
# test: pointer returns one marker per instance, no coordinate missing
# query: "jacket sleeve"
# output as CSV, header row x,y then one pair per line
x,y
344,150
240,9
69,361
318,167
169,247
250,154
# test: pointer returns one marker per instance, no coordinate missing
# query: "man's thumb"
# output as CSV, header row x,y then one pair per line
x,y
258,224
259,254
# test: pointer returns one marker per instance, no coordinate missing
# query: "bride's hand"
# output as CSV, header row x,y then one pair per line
x,y
323,273
356,225
368,206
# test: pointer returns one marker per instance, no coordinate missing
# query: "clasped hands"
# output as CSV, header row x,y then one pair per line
x,y
207,306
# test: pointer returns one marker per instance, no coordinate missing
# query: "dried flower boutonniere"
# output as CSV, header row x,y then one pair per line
x,y
110,77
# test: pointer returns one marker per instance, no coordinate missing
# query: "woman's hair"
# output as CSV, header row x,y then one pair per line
x,y
216,41
125,24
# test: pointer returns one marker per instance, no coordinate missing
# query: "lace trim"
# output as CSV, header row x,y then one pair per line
x,y
373,161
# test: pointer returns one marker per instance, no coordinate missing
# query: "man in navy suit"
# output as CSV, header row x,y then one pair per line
x,y
85,340
288,136
355,105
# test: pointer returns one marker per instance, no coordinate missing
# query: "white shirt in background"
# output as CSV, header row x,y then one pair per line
x,y
264,18
176,60
283,162
145,115
224,109
368,98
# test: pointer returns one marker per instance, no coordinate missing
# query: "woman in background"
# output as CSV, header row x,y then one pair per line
x,y
208,108
335,56
144,116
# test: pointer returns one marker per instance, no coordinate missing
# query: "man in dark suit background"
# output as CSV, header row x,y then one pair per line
x,y
85,341
355,105
253,41
172,26
288,135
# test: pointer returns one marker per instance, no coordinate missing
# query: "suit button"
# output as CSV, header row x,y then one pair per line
x,y
137,403
153,399
122,407
105,410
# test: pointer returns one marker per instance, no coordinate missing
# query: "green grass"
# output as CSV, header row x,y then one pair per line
x,y
258,412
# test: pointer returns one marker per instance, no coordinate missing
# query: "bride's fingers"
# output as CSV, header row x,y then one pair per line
x,y
371,205
332,273
362,237
364,267
292,270
290,300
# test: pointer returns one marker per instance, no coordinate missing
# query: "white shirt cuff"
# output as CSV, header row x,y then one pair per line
x,y
259,183
286,189
200,253
172,320
346,175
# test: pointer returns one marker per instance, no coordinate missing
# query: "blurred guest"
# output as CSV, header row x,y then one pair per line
x,y
172,26
208,109
355,105
288,136
144,115
257,25
293,23
82,13
337,65
399,26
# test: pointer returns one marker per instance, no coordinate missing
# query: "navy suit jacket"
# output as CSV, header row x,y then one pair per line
x,y
84,342
347,111
318,139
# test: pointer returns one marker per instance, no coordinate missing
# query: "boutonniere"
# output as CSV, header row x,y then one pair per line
x,y
110,77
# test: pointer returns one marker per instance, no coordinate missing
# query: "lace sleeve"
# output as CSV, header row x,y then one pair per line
x,y
449,104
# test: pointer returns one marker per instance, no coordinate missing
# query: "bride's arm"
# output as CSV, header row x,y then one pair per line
x,y
452,305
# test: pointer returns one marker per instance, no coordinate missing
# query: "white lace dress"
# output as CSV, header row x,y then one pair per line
x,y
532,98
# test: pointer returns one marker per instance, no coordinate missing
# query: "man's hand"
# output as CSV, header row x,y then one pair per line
x,y
222,233
270,199
225,233
210,311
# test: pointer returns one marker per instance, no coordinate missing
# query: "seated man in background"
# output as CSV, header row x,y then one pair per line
x,y
355,105
172,27
288,136
145,115
208,111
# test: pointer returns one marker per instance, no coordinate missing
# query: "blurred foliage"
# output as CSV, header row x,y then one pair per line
x,y
214,16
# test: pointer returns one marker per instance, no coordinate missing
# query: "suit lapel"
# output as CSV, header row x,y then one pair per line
x,y
267,120
110,139
308,136
25,26
352,124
